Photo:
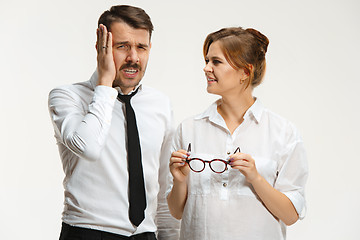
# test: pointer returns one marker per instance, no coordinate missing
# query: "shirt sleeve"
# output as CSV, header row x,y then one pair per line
x,y
293,172
82,128
174,146
168,226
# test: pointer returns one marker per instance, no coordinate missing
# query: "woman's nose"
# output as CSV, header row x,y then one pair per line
x,y
207,68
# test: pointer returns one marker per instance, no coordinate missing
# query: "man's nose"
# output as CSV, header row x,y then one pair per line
x,y
132,56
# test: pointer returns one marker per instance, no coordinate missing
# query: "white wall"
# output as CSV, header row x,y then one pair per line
x,y
312,79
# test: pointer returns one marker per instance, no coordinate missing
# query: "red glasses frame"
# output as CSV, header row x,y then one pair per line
x,y
188,160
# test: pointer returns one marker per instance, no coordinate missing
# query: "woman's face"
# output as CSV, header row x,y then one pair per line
x,y
221,77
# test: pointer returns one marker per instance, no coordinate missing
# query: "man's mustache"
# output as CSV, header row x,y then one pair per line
x,y
130,65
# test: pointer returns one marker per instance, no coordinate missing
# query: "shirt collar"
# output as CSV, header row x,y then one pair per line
x,y
139,86
210,113
254,112
94,81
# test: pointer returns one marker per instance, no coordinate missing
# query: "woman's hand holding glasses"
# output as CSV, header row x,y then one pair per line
x,y
178,167
246,165
181,164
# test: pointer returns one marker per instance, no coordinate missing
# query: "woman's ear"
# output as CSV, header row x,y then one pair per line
x,y
244,75
249,69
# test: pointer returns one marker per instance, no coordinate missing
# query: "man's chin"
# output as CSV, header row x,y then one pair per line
x,y
127,83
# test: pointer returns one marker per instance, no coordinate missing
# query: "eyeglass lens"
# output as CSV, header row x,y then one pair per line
x,y
197,165
216,165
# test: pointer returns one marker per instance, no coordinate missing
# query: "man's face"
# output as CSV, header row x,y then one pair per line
x,y
131,48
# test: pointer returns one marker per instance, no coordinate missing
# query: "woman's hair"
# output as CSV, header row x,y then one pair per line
x,y
242,49
133,16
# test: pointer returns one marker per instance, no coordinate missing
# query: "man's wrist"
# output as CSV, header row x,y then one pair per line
x,y
105,83
105,92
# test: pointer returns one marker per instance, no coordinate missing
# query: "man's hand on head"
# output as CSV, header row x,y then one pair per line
x,y
105,59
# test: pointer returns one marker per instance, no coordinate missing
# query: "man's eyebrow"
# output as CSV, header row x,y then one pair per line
x,y
127,43
143,45
121,43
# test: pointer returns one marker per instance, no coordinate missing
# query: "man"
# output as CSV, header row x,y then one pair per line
x,y
115,151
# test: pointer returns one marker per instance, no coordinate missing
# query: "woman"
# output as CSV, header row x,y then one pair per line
x,y
244,171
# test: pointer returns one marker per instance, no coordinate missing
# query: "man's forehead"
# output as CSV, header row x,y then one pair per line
x,y
122,32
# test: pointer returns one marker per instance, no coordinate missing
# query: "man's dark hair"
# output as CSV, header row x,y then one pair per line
x,y
133,16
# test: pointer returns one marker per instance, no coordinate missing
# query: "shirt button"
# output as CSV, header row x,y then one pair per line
x,y
228,153
224,184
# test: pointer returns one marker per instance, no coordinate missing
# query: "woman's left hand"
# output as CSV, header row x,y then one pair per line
x,y
246,165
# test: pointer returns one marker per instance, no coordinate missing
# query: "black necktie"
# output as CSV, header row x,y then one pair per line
x,y
137,198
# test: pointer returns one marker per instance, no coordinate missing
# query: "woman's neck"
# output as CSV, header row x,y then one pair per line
x,y
233,108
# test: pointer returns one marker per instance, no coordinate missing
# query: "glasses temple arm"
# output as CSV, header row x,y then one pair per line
x,y
237,150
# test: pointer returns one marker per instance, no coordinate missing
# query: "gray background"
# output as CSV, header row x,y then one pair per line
x,y
312,79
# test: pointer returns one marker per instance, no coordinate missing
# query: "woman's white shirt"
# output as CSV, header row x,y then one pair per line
x,y
225,206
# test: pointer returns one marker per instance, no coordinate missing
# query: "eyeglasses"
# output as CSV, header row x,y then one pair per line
x,y
216,165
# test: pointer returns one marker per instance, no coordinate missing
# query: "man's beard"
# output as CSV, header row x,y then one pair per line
x,y
119,82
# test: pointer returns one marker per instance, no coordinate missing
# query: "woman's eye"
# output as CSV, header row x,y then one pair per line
x,y
216,62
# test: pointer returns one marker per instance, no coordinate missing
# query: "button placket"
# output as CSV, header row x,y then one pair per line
x,y
224,188
224,185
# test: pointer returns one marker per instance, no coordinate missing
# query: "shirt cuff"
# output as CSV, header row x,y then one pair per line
x,y
105,93
102,107
299,203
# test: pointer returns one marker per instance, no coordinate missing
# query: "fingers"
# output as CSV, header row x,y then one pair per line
x,y
240,156
105,60
104,39
109,42
178,156
180,153
240,164
246,165
241,161
97,39
178,167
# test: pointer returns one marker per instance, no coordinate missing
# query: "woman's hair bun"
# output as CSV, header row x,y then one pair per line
x,y
263,40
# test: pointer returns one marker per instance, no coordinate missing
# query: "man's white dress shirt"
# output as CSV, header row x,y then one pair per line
x,y
90,130
225,206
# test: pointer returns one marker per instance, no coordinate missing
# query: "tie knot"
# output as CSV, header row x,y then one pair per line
x,y
126,98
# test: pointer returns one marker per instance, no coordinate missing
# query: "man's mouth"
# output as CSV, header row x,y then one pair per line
x,y
130,73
